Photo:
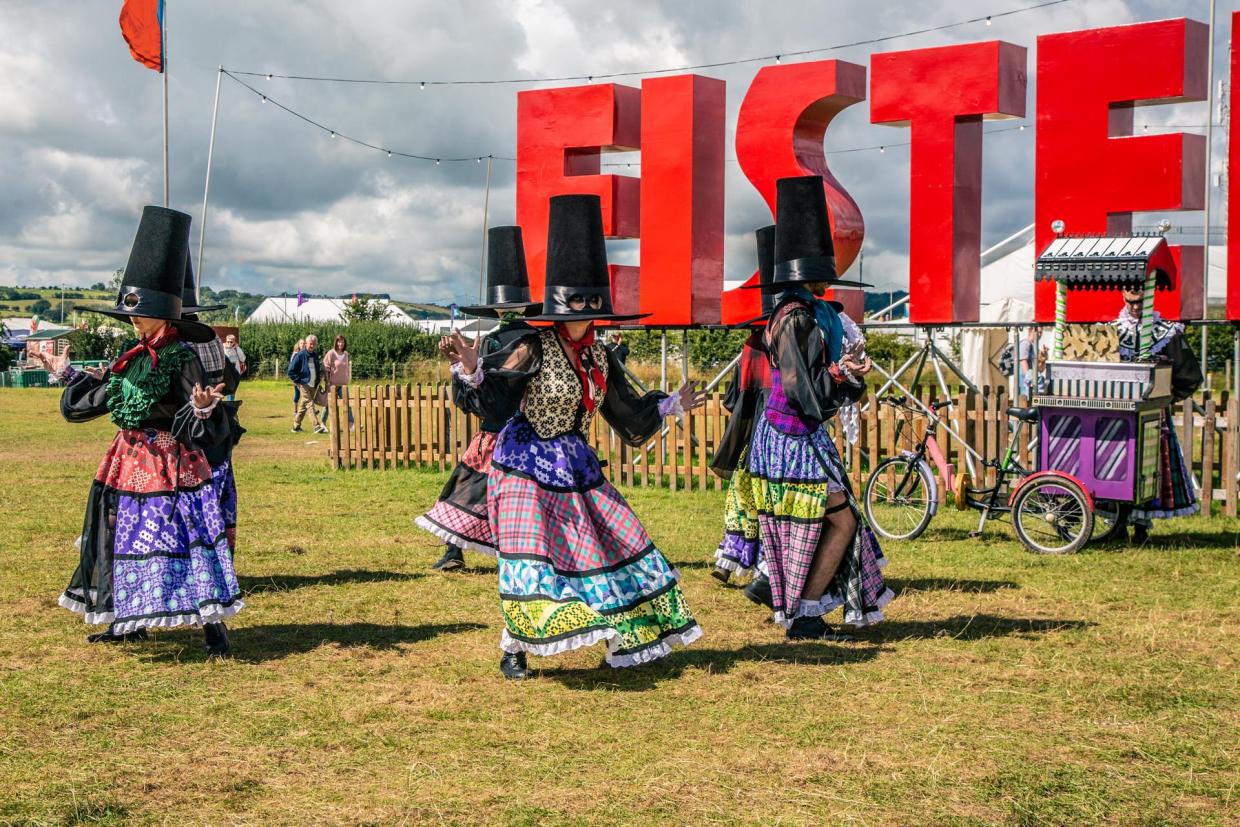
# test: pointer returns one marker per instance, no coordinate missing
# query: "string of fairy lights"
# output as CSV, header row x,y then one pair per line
x,y
346,137
421,156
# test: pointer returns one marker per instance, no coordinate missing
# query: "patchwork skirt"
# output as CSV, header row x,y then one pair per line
x,y
740,549
576,567
460,516
154,550
793,476
1176,497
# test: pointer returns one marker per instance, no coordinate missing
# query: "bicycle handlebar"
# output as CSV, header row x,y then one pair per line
x,y
902,401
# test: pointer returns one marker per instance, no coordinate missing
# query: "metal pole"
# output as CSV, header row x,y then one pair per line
x,y
486,208
684,357
206,185
1205,278
663,361
1235,361
163,71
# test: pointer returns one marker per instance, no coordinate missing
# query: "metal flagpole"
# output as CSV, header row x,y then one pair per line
x,y
206,187
163,70
1205,278
486,208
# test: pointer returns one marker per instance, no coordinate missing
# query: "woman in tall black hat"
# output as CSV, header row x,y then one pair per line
x,y
738,552
460,517
576,567
217,370
154,548
818,552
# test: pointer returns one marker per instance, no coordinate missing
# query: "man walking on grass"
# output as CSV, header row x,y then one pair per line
x,y
306,371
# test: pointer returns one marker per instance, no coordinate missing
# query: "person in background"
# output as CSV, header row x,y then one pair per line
x,y
1176,495
618,347
337,371
1028,355
236,357
297,348
306,371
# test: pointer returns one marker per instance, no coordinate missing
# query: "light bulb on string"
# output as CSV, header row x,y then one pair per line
x,y
333,133
882,149
436,162
268,76
1022,127
389,153
422,85
779,58
264,98
988,20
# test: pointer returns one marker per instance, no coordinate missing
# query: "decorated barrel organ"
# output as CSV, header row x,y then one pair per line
x,y
1100,421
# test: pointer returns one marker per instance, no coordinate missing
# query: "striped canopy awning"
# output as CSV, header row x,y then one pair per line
x,y
1107,262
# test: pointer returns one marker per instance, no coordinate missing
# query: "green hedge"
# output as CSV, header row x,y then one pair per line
x,y
373,346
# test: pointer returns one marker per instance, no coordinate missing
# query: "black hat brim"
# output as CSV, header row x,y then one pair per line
x,y
779,286
588,317
193,332
492,311
195,309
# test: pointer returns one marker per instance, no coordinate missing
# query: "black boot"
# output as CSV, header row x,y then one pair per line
x,y
216,635
759,591
136,636
452,559
513,667
814,628
1140,533
721,574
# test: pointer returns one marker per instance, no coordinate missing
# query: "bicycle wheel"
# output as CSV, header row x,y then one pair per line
x,y
897,499
1110,521
1051,515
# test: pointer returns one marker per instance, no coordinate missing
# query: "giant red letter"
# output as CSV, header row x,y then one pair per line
x,y
1091,173
779,132
560,135
943,94
683,130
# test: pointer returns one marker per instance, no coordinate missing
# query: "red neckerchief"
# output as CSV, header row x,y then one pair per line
x,y
583,363
147,346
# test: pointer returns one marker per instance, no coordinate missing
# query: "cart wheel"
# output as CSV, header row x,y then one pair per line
x,y
1110,521
897,499
1051,515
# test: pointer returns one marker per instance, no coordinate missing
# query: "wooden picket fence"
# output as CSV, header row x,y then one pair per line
x,y
417,426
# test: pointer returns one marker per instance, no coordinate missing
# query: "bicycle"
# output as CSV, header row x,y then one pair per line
x,y
902,496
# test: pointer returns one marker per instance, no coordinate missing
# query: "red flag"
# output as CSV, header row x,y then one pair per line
x,y
142,25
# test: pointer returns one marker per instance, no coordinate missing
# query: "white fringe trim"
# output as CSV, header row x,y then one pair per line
x,y
860,621
1159,514
208,614
728,564
662,649
454,539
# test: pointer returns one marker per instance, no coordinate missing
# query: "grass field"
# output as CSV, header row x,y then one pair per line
x,y
1004,687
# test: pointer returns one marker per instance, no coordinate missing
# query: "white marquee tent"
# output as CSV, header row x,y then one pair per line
x,y
287,309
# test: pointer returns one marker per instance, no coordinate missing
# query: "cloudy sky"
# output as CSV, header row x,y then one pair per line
x,y
293,209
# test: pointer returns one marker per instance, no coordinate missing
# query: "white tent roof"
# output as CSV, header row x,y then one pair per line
x,y
286,309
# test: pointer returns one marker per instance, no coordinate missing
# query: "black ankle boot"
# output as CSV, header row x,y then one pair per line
x,y
136,636
814,628
721,574
452,559
513,667
759,591
216,635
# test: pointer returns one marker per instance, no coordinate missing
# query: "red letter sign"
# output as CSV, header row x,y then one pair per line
x,y
1091,173
682,142
560,134
779,133
943,94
